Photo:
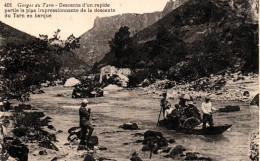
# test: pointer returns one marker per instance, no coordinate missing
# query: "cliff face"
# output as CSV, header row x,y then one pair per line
x,y
94,43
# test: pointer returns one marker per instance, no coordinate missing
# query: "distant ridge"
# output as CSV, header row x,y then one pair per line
x,y
94,43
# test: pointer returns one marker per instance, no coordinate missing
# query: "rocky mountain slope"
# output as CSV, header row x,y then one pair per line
x,y
94,43
9,34
199,38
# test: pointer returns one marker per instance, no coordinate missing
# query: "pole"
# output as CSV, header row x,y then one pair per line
x,y
159,117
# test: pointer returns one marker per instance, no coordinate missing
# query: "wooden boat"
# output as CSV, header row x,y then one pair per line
x,y
216,130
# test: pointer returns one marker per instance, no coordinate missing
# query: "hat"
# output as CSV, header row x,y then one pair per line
x,y
207,98
85,101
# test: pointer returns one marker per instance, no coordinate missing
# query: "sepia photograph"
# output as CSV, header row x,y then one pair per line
x,y
132,80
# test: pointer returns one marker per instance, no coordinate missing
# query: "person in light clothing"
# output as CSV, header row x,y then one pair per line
x,y
207,108
165,104
168,111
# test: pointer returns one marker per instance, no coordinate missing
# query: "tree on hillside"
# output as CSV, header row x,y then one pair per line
x,y
168,49
24,67
119,44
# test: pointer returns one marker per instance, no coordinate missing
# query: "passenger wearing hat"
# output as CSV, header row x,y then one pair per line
x,y
192,110
165,104
207,108
84,114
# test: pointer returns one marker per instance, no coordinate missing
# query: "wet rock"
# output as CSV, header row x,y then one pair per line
x,y
196,156
93,141
61,95
167,150
102,148
139,141
36,114
43,152
74,130
54,159
89,157
246,94
152,137
129,126
171,141
59,131
177,150
145,148
84,92
48,118
51,127
22,107
18,150
104,159
20,131
135,157
48,144
146,83
38,91
229,109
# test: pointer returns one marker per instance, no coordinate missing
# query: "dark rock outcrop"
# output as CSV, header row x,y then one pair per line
x,y
230,108
154,140
48,144
196,156
129,126
179,149
18,150
89,157
135,157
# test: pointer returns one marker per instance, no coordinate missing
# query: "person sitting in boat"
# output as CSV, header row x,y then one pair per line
x,y
192,111
207,108
168,112
182,101
165,103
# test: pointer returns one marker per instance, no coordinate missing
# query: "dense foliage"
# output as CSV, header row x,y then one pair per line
x,y
25,66
199,38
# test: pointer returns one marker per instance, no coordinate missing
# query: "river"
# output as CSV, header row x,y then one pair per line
x,y
123,106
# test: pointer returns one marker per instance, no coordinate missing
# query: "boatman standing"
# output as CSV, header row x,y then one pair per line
x,y
84,114
207,108
165,104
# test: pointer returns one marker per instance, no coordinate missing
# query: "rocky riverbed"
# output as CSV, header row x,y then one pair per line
x,y
123,106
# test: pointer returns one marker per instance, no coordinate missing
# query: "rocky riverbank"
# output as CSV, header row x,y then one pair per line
x,y
232,87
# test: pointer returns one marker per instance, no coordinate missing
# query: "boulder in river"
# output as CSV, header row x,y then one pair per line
x,y
87,91
89,157
196,156
230,108
129,126
48,144
71,82
135,157
18,150
112,75
179,149
153,138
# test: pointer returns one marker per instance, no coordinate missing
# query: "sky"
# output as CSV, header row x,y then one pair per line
x,y
71,23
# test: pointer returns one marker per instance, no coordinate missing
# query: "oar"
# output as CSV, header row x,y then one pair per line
x,y
159,117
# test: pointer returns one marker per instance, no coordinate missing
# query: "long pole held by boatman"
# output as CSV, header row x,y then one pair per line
x,y
159,116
